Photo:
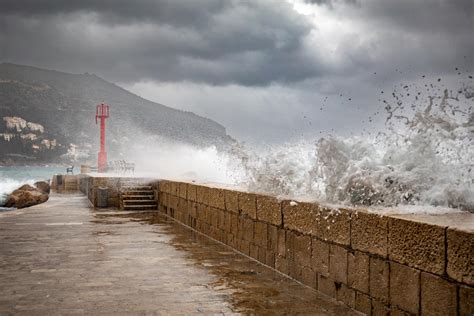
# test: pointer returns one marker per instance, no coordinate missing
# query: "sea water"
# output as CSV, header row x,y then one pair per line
x,y
12,177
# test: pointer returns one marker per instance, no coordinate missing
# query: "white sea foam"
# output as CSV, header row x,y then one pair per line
x,y
424,158
422,162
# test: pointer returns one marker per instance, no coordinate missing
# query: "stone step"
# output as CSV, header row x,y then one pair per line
x,y
136,187
137,192
139,207
139,202
137,197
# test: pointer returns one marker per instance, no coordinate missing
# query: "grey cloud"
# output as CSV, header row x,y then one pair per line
x,y
219,42
176,13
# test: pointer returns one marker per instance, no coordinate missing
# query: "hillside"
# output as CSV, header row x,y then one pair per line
x,y
63,105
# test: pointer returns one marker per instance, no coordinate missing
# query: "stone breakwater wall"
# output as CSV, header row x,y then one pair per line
x,y
378,265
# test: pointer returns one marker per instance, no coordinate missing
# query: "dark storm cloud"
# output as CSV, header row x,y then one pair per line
x,y
249,43
258,66
172,12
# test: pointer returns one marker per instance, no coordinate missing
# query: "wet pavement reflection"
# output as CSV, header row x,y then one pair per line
x,y
64,258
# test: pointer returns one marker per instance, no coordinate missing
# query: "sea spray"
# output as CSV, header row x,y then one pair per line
x,y
425,157
156,156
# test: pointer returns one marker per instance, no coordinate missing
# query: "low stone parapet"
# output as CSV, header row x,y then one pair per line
x,y
410,264
398,264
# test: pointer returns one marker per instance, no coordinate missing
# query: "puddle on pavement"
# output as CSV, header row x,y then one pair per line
x,y
247,285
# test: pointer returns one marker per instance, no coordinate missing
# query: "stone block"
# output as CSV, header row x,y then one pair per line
x,y
234,224
163,199
182,190
289,245
214,216
244,246
299,249
466,300
166,199
346,295
202,194
231,201
404,287
272,238
294,270
270,259
221,213
320,257
395,311
206,228
183,205
232,241
247,231
309,218
281,264
164,186
338,263
379,279
326,285
380,308
192,209
417,244
301,217
240,227
248,204
113,202
173,202
460,255
358,271
363,303
203,213
191,192
227,222
438,296
281,242
269,210
254,251
173,188
260,236
216,198
262,255
369,233
308,277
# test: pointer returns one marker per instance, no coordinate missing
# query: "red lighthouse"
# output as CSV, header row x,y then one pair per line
x,y
102,113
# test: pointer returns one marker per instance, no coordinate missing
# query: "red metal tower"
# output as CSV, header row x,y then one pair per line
x,y
102,113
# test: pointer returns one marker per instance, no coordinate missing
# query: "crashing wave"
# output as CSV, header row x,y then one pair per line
x,y
422,159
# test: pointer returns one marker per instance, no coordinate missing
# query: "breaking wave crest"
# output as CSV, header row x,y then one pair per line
x,y
425,157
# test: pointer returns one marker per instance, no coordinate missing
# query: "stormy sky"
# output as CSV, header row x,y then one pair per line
x,y
268,70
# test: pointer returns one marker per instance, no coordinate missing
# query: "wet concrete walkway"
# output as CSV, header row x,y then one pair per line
x,y
64,258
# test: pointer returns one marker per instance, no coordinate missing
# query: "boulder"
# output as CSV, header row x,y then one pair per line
x,y
43,186
26,187
26,196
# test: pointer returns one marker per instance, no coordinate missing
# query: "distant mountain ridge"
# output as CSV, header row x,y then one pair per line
x,y
64,104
